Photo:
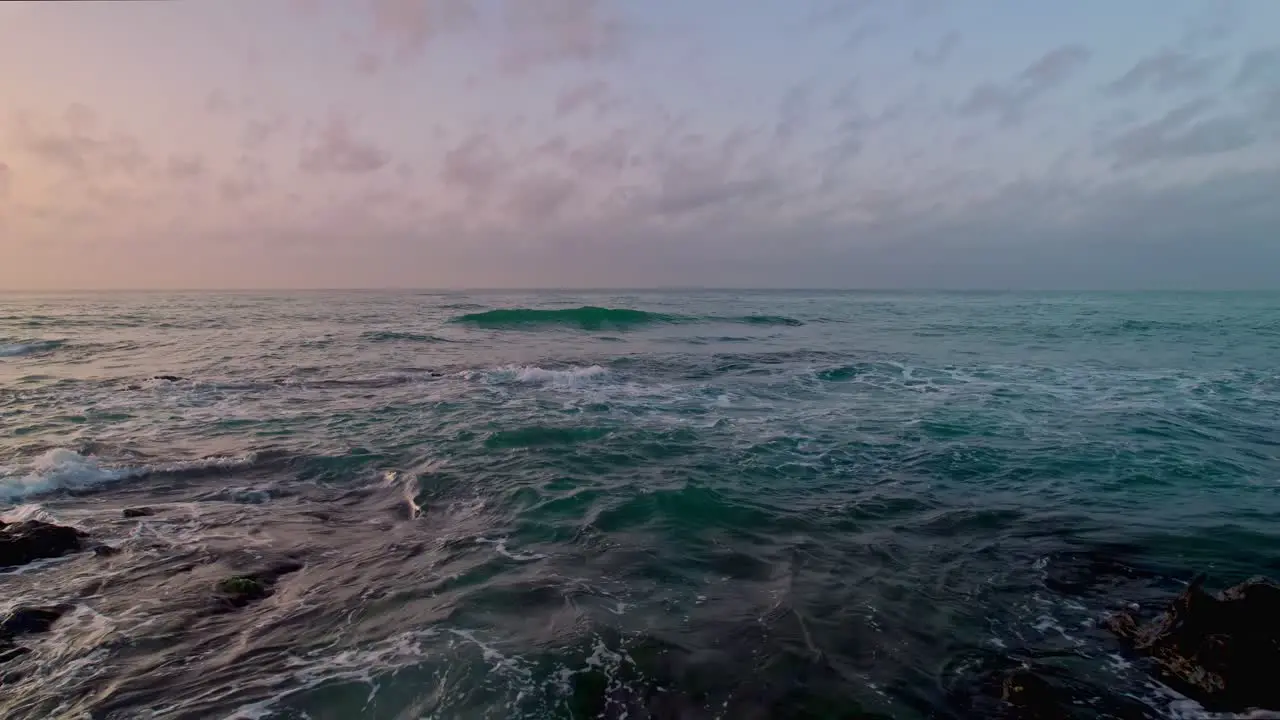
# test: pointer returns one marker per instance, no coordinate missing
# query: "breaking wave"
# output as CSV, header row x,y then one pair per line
x,y
63,469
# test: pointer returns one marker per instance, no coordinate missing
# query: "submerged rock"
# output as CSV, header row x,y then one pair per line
x,y
30,540
1221,650
240,590
137,512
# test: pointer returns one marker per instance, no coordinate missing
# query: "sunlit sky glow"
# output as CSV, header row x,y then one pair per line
x,y
589,143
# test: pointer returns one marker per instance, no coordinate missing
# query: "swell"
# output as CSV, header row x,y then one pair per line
x,y
399,336
29,347
590,317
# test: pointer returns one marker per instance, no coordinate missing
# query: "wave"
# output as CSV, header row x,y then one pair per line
x,y
767,320
533,375
590,317
587,317
395,336
29,348
63,469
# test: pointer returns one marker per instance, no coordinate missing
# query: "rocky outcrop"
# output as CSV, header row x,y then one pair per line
x,y
30,540
1221,650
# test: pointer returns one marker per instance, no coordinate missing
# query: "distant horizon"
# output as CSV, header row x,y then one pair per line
x,y
623,290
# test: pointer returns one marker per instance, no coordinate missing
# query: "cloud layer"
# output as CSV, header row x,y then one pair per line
x,y
447,143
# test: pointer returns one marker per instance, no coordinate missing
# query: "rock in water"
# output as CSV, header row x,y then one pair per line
x,y
137,512
1222,650
240,590
24,542
23,620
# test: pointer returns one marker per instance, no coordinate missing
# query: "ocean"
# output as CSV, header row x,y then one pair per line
x,y
626,504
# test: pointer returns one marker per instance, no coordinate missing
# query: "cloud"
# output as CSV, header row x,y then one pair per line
x,y
793,113
541,198
409,25
250,179
940,52
217,103
368,63
257,132
1215,21
594,94
80,119
1010,100
474,166
75,147
600,159
185,167
1165,71
837,12
555,31
338,151
1183,132
1260,69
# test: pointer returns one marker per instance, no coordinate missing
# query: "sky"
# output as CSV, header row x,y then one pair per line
x,y
1003,144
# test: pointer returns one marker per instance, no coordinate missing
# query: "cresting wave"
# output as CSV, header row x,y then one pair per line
x,y
63,469
29,348
590,317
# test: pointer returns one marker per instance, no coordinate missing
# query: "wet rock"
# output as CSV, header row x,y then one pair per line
x,y
137,512
105,550
1221,650
166,378
30,540
24,620
1033,696
9,651
240,590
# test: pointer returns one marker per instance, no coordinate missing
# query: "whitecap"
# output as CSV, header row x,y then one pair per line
x,y
534,375
59,469
63,469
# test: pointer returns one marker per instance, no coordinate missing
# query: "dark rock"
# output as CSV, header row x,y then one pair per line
x,y
1221,650
24,542
9,651
166,378
240,590
1032,695
23,620
137,512
105,550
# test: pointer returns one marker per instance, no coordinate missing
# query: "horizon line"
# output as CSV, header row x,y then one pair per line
x,y
593,290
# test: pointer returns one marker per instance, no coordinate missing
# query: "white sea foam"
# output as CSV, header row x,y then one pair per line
x,y
63,469
500,546
533,375
59,469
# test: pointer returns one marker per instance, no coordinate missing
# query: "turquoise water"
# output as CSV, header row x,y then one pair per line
x,y
650,504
